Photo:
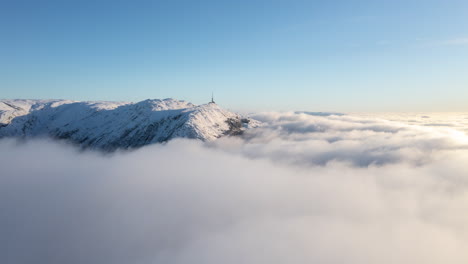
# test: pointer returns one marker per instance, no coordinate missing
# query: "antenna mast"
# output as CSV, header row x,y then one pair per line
x,y
212,98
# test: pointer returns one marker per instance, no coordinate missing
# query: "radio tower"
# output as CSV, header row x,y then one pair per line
x,y
212,98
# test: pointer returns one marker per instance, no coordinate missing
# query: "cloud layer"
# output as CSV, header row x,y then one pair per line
x,y
302,138
301,189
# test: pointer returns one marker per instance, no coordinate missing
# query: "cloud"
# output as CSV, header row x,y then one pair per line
x,y
304,139
285,193
454,42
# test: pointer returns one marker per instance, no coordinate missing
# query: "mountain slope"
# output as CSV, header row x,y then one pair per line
x,y
114,125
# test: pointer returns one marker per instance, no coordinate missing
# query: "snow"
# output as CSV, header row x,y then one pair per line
x,y
113,125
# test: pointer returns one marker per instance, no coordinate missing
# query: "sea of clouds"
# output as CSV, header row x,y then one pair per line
x,y
302,188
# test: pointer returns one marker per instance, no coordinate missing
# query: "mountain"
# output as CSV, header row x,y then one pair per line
x,y
118,125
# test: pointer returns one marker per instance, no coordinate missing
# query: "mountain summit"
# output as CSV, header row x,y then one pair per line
x,y
118,125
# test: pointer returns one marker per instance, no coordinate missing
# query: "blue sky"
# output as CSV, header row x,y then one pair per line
x,y
255,55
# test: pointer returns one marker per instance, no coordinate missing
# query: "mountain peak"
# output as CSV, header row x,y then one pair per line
x,y
165,104
115,125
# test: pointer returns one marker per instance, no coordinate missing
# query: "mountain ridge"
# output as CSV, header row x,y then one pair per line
x,y
118,125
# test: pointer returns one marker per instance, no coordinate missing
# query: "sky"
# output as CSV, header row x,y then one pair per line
x,y
355,55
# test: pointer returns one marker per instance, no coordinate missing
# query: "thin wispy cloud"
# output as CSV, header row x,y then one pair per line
x,y
454,42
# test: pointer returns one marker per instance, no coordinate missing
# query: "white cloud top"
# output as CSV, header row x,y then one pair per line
x,y
303,188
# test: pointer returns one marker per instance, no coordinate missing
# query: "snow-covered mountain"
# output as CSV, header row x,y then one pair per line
x,y
114,125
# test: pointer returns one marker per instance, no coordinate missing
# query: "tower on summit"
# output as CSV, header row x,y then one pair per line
x,y
212,99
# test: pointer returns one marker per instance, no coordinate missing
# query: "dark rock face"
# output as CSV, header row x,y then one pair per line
x,y
236,126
